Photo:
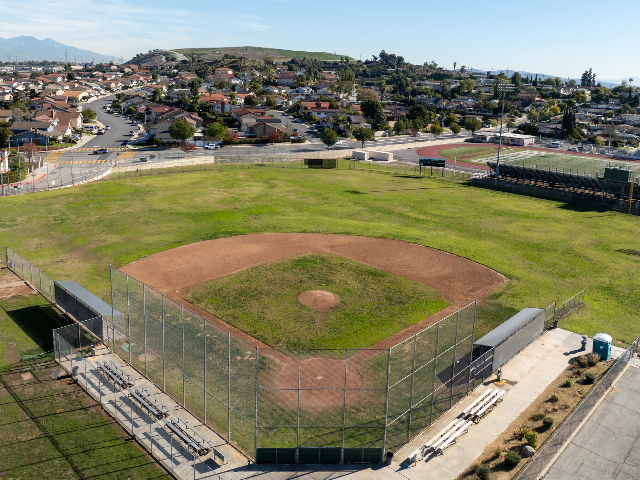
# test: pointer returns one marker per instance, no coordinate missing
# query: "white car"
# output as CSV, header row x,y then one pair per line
x,y
573,149
213,146
339,142
107,127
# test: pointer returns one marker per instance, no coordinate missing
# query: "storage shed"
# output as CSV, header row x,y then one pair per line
x,y
512,336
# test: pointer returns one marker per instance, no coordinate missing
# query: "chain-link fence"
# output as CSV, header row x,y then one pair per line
x,y
68,342
540,462
553,313
31,274
351,403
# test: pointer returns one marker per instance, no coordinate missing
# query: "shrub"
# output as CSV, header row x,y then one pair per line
x,y
532,438
593,358
497,452
537,417
589,378
568,382
554,397
483,472
581,361
512,458
520,431
547,422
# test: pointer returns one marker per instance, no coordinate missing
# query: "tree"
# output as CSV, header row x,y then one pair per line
x,y
371,108
30,150
89,114
328,137
216,131
533,116
5,134
510,125
275,136
472,124
368,94
436,129
528,128
399,127
455,128
156,96
382,86
270,101
256,85
181,130
580,96
588,78
130,110
251,100
363,134
71,76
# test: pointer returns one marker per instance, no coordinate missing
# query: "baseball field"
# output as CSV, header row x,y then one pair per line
x,y
548,251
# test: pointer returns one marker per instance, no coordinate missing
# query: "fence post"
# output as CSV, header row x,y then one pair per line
x,y
344,398
386,408
128,321
163,359
473,338
184,394
435,369
204,365
255,440
453,367
298,413
413,372
144,325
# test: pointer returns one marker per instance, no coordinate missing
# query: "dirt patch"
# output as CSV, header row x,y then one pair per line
x,y
11,285
319,300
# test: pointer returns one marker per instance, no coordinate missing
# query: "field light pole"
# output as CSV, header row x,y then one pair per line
x,y
504,88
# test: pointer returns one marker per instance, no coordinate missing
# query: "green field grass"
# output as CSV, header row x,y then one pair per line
x,y
52,428
263,301
473,154
570,163
549,250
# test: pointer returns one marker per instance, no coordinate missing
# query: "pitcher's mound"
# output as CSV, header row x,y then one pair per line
x,y
319,300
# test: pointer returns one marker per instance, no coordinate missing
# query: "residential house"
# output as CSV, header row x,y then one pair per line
x,y
6,115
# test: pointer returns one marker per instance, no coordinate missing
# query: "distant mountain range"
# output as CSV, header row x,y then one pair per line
x,y
27,48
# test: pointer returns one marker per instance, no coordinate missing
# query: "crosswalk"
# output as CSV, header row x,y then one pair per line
x,y
127,155
95,148
75,162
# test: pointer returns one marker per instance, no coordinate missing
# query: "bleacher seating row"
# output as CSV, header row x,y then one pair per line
x,y
194,442
115,374
573,181
458,427
148,402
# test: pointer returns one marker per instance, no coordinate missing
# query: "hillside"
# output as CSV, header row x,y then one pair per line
x,y
156,57
256,53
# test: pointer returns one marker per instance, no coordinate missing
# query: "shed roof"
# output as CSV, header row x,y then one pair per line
x,y
94,303
499,334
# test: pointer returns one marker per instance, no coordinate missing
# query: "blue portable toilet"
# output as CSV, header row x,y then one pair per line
x,y
602,345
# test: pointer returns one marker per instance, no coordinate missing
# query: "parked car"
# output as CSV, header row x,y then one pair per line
x,y
376,139
553,145
100,151
573,149
107,127
213,146
131,133
339,142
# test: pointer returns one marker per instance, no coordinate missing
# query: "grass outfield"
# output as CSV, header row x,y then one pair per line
x,y
263,301
549,250
52,428
474,155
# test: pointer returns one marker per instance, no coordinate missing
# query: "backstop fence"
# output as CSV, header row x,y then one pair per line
x,y
296,405
544,456
30,273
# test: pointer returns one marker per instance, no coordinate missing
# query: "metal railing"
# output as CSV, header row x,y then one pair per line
x,y
553,313
544,456
30,274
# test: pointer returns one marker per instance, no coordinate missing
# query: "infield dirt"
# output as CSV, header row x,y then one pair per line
x,y
173,272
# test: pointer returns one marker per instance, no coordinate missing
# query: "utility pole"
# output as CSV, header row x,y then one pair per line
x,y
502,87
66,56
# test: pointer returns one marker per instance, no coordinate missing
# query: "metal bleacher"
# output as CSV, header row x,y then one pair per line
x,y
115,374
558,179
148,402
192,440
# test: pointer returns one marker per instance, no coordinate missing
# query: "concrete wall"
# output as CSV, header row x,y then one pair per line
x,y
361,154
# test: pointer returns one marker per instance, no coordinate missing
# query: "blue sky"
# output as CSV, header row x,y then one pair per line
x,y
553,37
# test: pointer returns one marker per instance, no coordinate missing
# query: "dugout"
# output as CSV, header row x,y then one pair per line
x,y
511,336
80,303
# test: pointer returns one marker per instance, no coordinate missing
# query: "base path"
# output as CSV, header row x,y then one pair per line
x,y
174,272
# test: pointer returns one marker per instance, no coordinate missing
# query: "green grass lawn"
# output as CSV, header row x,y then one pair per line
x,y
263,301
473,154
570,163
52,428
549,250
